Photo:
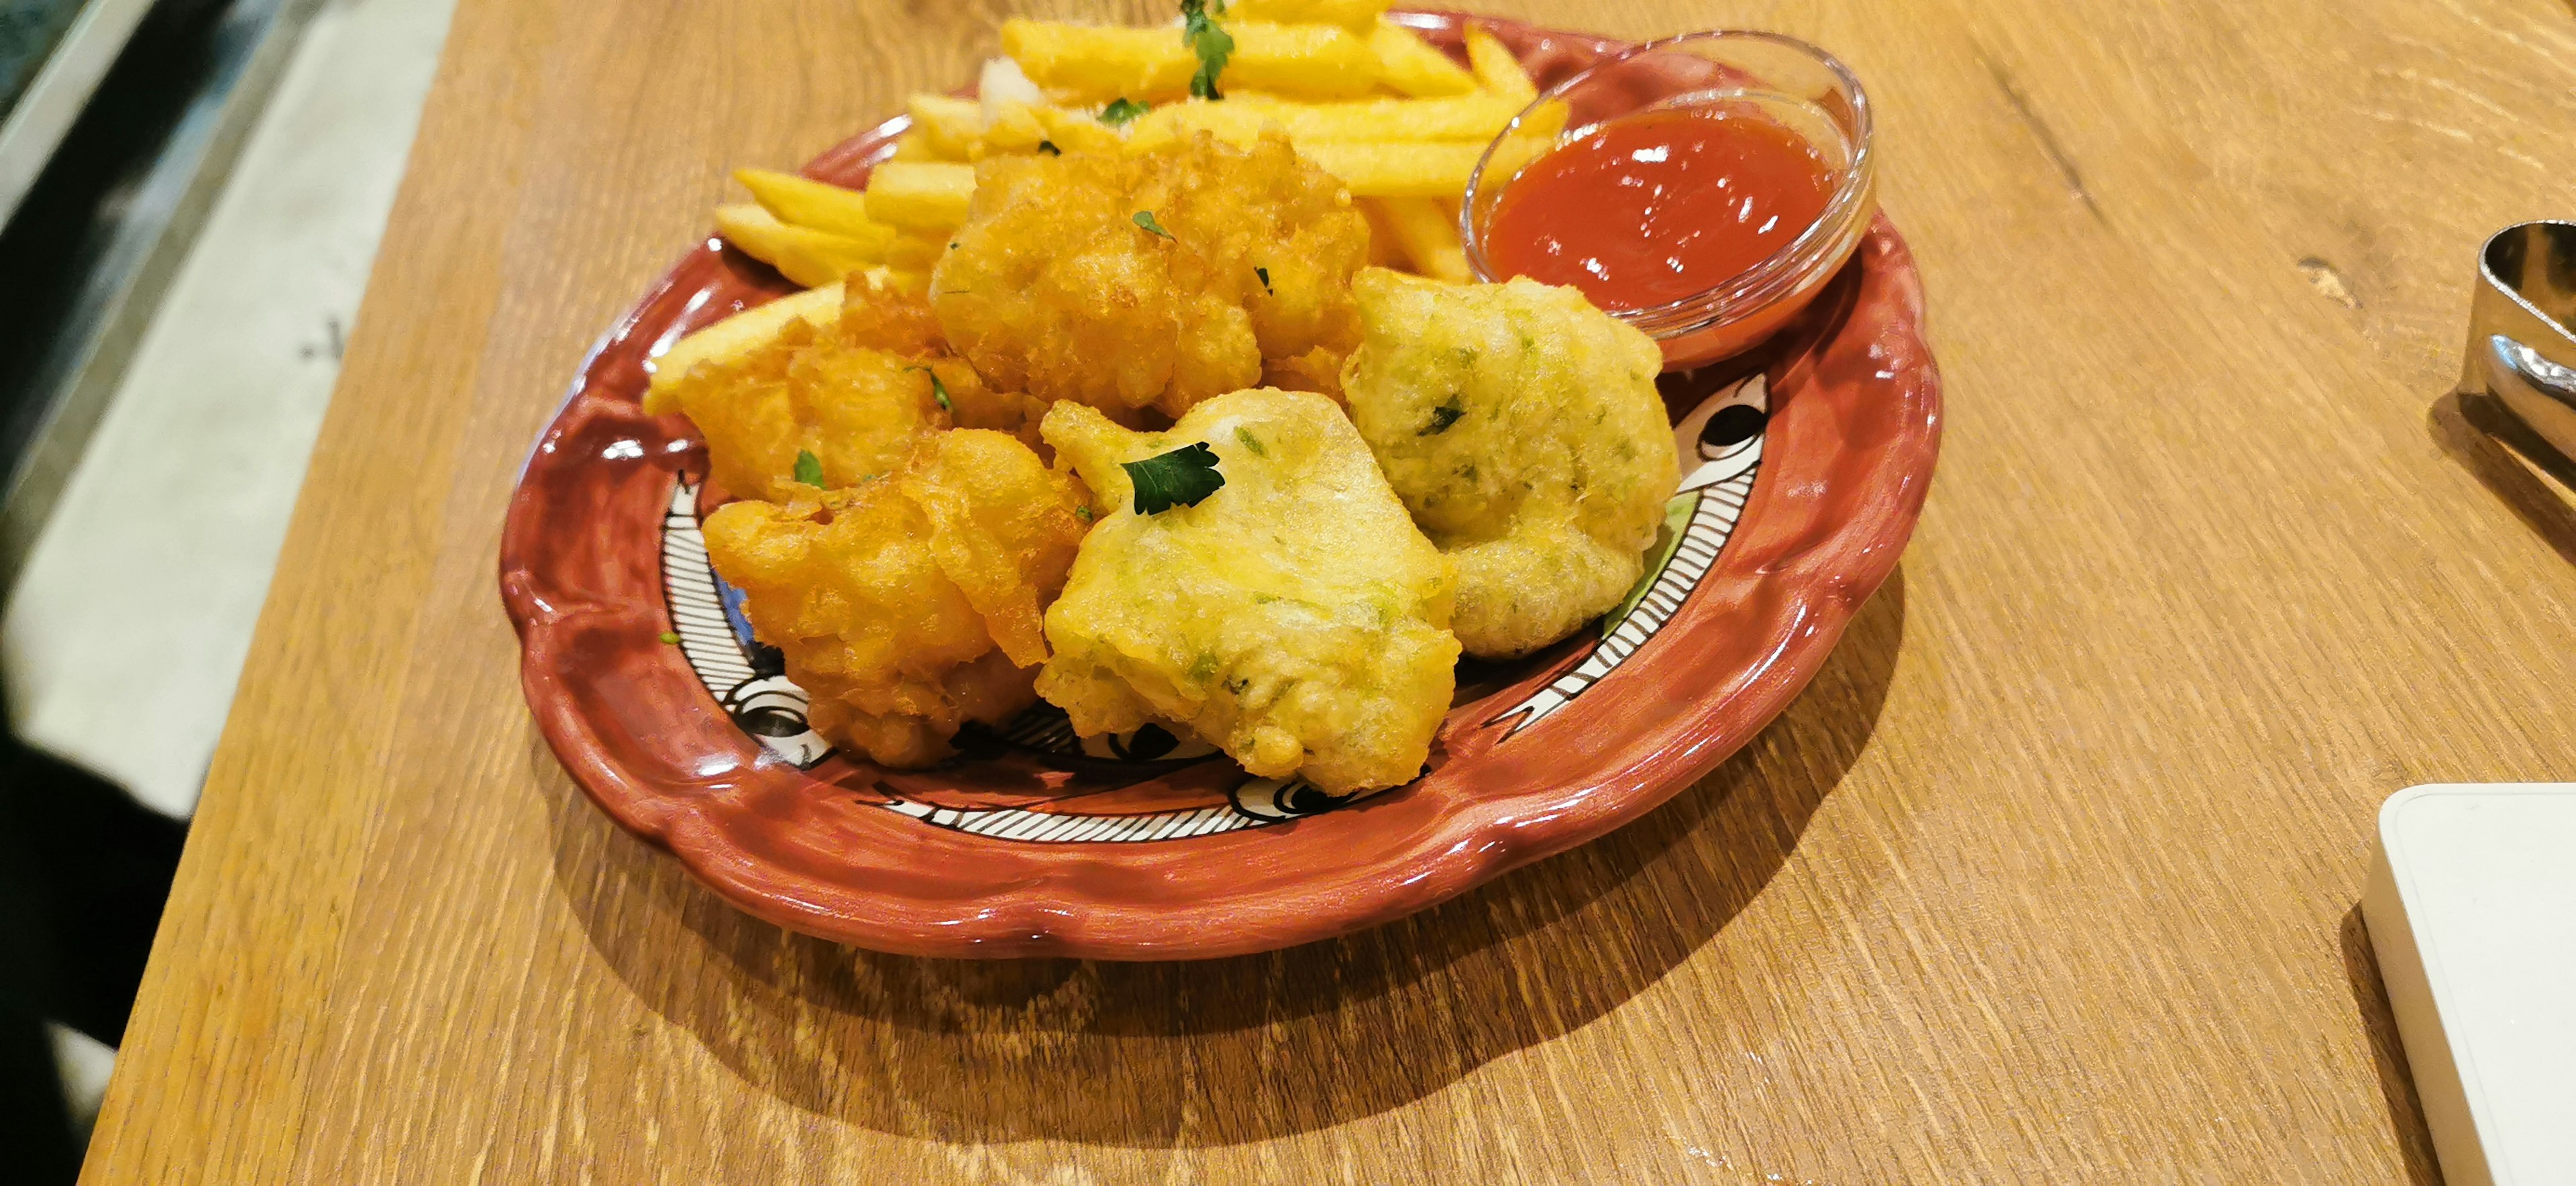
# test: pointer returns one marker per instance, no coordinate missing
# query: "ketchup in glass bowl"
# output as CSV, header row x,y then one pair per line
x,y
1709,186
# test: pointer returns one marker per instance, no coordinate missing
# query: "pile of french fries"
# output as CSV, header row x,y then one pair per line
x,y
1363,98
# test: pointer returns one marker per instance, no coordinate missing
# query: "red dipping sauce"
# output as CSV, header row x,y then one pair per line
x,y
1651,208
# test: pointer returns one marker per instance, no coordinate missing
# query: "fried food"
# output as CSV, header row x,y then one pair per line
x,y
927,196
1428,232
1408,63
1522,429
1095,64
730,341
1497,68
816,205
854,395
909,605
1156,280
1239,118
1294,617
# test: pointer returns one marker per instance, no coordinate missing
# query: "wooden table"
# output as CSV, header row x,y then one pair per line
x,y
2050,877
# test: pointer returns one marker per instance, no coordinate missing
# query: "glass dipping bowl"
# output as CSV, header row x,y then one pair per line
x,y
1785,80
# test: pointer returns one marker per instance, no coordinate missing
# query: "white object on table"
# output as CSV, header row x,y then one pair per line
x,y
2472,913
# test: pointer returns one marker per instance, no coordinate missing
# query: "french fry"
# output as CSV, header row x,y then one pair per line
x,y
916,252
921,195
1428,235
1355,15
1496,69
1456,117
1309,61
913,146
1078,131
807,256
951,126
1396,169
805,202
1013,131
736,336
1384,250
1241,118
1100,63
1096,64
1408,63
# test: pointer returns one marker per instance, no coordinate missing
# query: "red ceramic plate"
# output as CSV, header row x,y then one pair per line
x,y
1805,466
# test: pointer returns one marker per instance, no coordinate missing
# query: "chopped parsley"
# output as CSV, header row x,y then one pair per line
x,y
809,468
1212,44
1121,112
670,638
938,390
1442,417
1264,273
1048,147
1083,513
1146,219
1250,441
1183,477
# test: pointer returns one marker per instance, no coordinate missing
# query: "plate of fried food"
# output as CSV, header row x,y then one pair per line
x,y
1221,485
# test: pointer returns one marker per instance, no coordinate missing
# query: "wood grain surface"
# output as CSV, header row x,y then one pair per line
x,y
2049,878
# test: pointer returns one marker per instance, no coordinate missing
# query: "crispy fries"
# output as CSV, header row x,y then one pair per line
x,y
1496,69
737,336
804,202
1358,16
1408,63
1396,169
1239,118
807,256
949,125
1093,64
1426,230
1400,123
927,196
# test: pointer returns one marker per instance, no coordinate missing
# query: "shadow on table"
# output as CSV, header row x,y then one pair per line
x,y
2478,433
2388,1053
1224,1051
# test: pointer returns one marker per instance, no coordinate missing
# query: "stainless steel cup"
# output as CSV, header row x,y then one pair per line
x,y
2521,348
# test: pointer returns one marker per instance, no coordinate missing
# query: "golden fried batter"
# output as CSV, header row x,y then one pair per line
x,y
1294,617
856,395
1522,428
1056,287
908,605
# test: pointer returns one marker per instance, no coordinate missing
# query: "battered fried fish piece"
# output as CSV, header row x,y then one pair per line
x,y
1155,280
1522,429
857,396
1293,618
909,605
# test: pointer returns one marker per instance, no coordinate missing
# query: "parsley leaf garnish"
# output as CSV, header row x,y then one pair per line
x,y
1183,477
1212,44
1048,147
1250,441
1264,273
1145,219
938,390
1121,112
809,468
1442,417
1083,513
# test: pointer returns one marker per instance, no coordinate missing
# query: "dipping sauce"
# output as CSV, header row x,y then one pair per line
x,y
1654,207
